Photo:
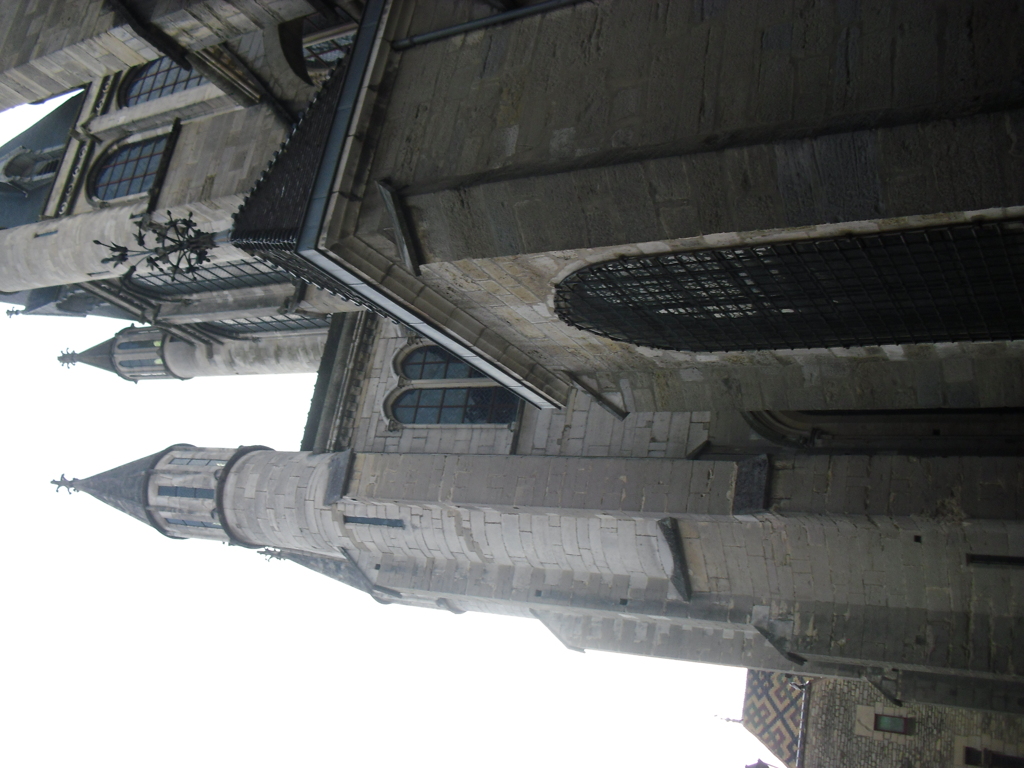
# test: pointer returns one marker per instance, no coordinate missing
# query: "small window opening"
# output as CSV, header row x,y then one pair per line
x,y
893,724
374,521
140,363
140,344
1000,561
186,493
199,462
990,759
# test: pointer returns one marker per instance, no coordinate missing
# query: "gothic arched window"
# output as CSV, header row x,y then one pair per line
x,y
156,79
940,284
465,396
129,170
432,362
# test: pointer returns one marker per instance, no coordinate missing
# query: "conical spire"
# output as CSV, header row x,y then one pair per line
x,y
100,356
124,488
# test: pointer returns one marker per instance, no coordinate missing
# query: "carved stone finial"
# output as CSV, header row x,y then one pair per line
x,y
68,358
64,483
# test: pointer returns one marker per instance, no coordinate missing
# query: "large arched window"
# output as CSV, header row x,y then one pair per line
x,y
129,170
446,390
156,79
940,284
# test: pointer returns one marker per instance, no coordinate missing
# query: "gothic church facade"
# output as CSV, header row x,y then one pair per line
x,y
690,329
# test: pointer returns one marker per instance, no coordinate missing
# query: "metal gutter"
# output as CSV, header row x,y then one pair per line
x,y
367,40
487,21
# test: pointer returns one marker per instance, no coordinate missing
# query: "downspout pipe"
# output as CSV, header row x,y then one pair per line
x,y
487,21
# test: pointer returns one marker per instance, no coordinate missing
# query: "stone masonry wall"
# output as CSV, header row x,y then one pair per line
x,y
293,353
530,149
938,488
841,720
653,486
48,47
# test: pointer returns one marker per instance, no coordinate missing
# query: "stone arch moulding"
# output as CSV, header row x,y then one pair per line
x,y
962,282
913,432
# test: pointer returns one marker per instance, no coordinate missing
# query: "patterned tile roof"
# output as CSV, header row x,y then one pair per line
x,y
772,711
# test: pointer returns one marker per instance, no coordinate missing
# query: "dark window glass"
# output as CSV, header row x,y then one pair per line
x,y
140,363
159,78
193,523
140,344
957,283
199,462
130,170
185,493
212,277
892,724
374,521
455,405
436,363
1004,561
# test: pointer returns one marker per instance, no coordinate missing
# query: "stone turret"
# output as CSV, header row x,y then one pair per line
x,y
139,354
611,564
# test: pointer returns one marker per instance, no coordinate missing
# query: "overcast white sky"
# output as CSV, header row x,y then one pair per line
x,y
123,648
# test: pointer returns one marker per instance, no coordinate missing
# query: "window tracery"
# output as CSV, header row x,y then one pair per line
x,y
156,79
131,169
441,389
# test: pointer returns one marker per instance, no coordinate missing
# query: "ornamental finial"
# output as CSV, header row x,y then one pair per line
x,y
64,483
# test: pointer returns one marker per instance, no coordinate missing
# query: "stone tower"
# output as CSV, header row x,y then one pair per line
x,y
613,563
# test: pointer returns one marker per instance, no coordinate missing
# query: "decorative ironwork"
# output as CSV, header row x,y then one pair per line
x,y
456,405
130,170
157,79
211,277
955,283
180,247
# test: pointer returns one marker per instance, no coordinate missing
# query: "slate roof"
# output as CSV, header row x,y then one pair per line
x,y
100,356
124,487
773,712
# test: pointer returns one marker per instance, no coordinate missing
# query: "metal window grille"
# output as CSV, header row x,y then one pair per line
x,y
955,283
433,362
185,493
159,78
251,325
324,54
214,277
131,170
455,405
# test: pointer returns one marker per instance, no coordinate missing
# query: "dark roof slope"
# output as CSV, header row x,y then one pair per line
x,y
124,487
273,212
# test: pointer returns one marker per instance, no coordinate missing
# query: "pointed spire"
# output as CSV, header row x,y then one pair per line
x,y
124,488
100,356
